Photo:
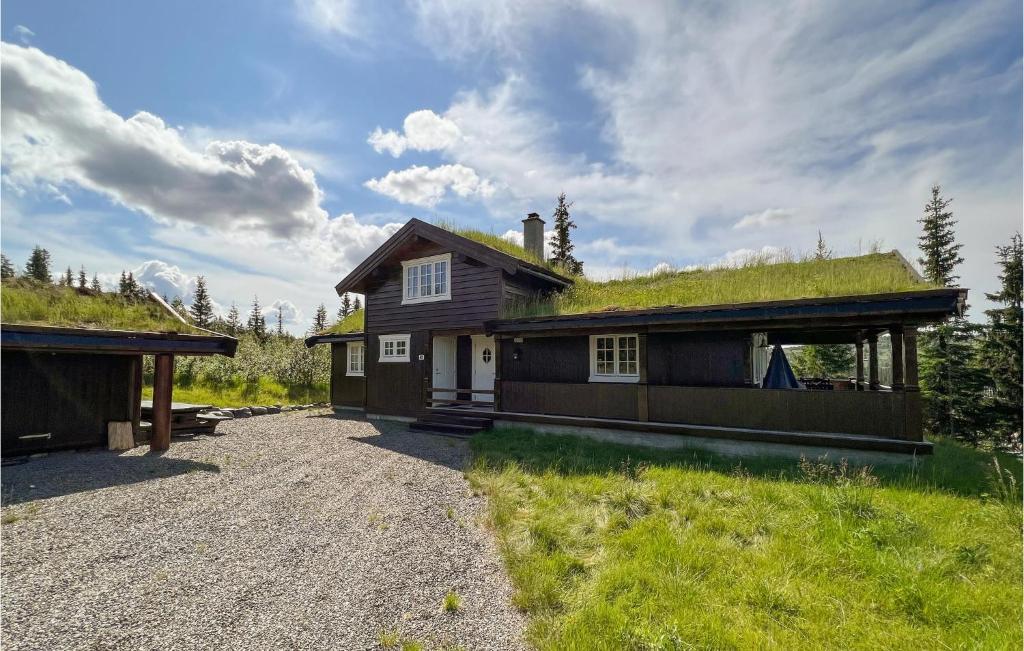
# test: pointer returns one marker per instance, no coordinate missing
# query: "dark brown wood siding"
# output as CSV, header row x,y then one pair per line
x,y
396,388
598,400
346,390
475,289
546,359
697,359
70,396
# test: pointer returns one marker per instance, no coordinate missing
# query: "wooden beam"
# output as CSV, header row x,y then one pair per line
x,y
642,407
910,358
859,346
896,338
497,374
873,383
163,387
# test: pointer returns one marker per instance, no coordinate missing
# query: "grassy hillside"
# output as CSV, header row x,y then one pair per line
x,y
615,547
31,303
758,281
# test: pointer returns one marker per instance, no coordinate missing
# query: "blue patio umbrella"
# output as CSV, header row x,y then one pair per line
x,y
780,373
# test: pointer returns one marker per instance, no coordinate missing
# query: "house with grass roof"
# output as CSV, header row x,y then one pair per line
x,y
462,329
71,360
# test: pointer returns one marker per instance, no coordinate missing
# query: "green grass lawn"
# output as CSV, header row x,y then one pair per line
x,y
616,547
267,392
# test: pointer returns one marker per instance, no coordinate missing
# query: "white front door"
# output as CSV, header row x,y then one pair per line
x,y
443,352
483,367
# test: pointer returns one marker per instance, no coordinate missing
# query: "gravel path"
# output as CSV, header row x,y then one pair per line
x,y
300,530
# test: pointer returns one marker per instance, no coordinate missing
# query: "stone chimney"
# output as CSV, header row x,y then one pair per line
x,y
533,235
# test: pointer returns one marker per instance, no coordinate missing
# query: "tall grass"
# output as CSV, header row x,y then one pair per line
x,y
264,391
757,279
617,547
28,302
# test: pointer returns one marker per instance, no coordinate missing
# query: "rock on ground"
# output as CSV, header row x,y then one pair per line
x,y
298,530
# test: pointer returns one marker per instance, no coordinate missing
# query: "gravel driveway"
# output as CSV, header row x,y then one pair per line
x,y
300,530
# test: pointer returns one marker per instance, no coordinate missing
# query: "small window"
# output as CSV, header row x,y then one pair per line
x,y
356,358
614,358
486,355
426,279
394,348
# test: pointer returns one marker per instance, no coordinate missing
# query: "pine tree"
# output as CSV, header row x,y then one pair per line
x,y
122,285
6,268
83,281
346,307
202,306
234,324
941,253
68,280
180,308
96,286
38,265
1001,347
320,319
256,324
561,242
280,320
822,252
952,382
826,361
356,305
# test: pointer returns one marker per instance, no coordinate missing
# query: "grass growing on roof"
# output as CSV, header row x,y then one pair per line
x,y
354,322
756,281
619,547
29,302
499,243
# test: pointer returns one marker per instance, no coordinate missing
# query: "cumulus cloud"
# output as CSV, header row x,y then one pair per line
x,y
425,186
421,131
57,131
769,217
290,315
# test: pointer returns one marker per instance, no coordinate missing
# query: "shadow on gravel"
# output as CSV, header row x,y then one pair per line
x,y
396,437
64,473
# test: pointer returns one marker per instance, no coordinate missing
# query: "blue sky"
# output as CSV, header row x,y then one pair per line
x,y
271,147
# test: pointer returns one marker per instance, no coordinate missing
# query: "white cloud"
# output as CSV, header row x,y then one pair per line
x,y
24,33
516,237
769,217
424,186
290,315
421,131
331,17
57,131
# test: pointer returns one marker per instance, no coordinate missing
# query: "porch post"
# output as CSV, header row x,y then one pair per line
x,y
497,373
641,387
896,337
163,387
873,362
859,346
910,357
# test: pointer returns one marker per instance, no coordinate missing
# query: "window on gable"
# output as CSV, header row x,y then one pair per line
x,y
614,358
426,279
356,358
394,348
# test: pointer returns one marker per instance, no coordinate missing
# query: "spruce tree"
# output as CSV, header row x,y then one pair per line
x,y
346,307
320,319
561,241
202,306
952,383
826,360
1001,347
822,252
256,324
234,323
941,253
356,305
280,320
122,285
38,265
69,278
6,268
179,306
96,286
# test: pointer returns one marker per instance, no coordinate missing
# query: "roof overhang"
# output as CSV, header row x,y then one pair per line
x,y
834,313
334,338
355,281
114,342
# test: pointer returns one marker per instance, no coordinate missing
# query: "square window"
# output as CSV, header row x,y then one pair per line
x,y
426,279
614,358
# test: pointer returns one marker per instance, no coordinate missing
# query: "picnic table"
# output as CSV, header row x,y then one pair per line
x,y
186,418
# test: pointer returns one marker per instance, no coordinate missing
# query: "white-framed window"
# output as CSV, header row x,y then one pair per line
x,y
394,348
356,351
614,358
426,279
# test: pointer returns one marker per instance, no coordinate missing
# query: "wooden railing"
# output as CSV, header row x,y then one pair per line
x,y
431,400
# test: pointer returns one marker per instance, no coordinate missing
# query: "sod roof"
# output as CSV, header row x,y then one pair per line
x,y
502,245
25,302
354,322
876,273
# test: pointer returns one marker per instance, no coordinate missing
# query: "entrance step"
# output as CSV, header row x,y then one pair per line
x,y
459,426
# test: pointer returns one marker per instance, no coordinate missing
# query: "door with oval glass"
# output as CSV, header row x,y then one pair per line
x,y
483,367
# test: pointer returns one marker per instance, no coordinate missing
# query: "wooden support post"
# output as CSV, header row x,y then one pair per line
x,y
163,387
910,358
859,347
642,409
873,383
136,394
896,339
497,373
